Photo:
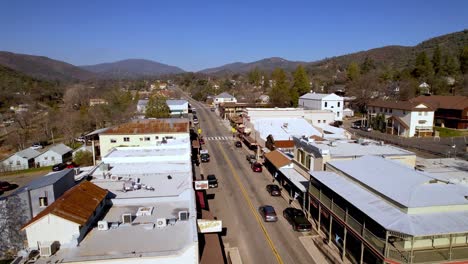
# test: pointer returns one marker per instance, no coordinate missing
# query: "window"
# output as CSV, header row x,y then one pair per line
x,y
391,110
126,139
170,137
18,162
326,104
425,113
43,202
338,114
52,158
113,141
324,121
11,162
404,112
319,121
45,158
308,162
147,139
141,139
420,113
156,137
338,104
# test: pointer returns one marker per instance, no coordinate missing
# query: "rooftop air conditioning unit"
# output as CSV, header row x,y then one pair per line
x,y
114,178
103,225
183,215
161,222
47,249
127,218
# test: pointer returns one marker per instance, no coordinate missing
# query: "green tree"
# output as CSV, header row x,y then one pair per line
x,y
423,67
451,66
301,81
353,71
437,60
157,108
367,65
255,76
464,60
279,94
83,158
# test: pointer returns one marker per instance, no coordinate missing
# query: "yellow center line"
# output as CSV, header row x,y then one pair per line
x,y
252,208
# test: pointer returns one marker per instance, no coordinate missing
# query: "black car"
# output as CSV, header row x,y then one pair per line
x,y
273,189
5,186
238,144
212,181
297,219
59,167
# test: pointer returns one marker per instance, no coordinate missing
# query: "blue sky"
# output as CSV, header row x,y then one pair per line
x,y
198,34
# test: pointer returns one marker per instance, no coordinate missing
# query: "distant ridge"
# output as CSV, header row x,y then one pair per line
x,y
268,65
132,68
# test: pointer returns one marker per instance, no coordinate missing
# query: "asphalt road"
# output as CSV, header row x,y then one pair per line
x,y
238,197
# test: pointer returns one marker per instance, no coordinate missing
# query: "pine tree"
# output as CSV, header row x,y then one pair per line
x,y
451,66
301,81
255,76
437,60
464,60
367,65
423,67
279,94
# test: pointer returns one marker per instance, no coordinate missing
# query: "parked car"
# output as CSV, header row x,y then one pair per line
x,y
256,167
297,219
80,139
273,190
238,144
70,165
36,146
268,213
204,156
367,129
212,109
250,158
195,119
355,126
212,181
59,167
5,186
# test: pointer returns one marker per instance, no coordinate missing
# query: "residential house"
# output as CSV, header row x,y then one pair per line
x,y
67,220
312,154
146,132
403,118
317,101
141,106
450,111
224,98
59,153
381,211
21,160
264,99
178,108
348,112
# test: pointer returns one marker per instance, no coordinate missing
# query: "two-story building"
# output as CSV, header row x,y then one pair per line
x,y
403,118
178,108
450,111
140,133
318,101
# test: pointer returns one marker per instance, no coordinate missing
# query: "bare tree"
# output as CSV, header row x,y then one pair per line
x,y
12,217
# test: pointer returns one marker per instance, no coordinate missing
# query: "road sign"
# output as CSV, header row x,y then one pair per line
x,y
199,131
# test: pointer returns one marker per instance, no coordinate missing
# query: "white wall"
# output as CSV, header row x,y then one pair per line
x,y
319,117
11,163
48,158
52,228
427,119
330,102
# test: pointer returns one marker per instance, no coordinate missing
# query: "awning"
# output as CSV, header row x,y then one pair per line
x,y
278,159
296,178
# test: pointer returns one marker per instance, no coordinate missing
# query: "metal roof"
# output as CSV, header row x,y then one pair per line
x,y
401,184
59,149
176,102
278,159
45,180
296,178
319,96
224,95
28,153
150,126
390,217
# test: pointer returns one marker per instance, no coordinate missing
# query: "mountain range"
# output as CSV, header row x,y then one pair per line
x,y
390,56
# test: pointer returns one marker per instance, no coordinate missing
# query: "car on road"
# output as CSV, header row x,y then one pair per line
x,y
238,144
273,190
6,186
212,181
250,158
297,219
256,167
268,213
355,126
36,146
195,119
212,109
204,156
367,129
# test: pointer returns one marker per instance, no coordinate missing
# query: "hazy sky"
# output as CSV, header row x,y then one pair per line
x,y
199,34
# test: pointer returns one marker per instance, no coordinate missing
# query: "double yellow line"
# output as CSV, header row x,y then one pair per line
x,y
251,206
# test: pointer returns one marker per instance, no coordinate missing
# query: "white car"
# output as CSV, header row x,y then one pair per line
x,y
36,146
80,139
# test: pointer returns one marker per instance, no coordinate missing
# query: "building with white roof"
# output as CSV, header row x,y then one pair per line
x,y
152,214
313,154
224,98
318,101
178,107
396,213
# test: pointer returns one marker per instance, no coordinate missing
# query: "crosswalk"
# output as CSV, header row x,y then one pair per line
x,y
219,138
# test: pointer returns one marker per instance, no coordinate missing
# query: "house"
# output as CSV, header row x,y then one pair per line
x,y
450,111
141,106
59,153
313,154
178,108
146,132
264,99
318,101
403,118
348,112
385,212
224,98
67,220
21,160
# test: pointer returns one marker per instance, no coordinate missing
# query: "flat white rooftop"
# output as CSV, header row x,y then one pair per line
x,y
449,169
140,239
347,148
400,184
284,128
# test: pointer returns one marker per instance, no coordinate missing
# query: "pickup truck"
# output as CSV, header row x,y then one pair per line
x,y
297,219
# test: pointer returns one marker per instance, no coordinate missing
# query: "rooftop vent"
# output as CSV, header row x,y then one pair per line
x,y
183,215
127,218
